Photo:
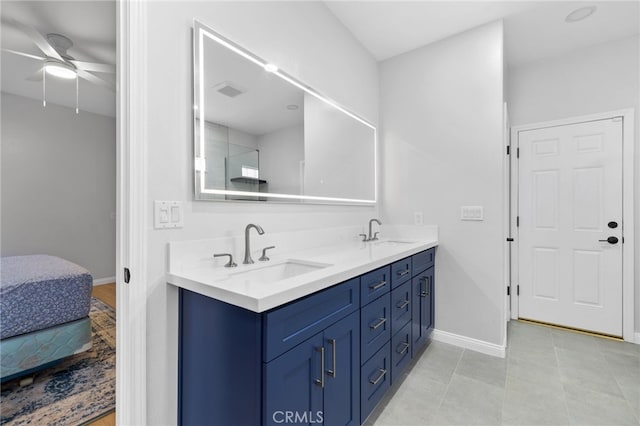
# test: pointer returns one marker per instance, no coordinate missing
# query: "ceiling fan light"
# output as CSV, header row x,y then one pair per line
x,y
58,69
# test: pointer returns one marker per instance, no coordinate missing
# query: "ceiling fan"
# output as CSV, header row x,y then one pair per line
x,y
56,61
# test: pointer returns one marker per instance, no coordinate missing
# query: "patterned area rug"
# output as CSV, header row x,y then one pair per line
x,y
79,389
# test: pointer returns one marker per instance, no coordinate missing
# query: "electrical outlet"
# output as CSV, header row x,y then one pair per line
x,y
418,219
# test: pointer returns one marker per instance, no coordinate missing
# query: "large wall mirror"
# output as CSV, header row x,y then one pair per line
x,y
261,135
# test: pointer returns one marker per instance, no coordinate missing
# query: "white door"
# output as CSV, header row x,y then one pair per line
x,y
570,203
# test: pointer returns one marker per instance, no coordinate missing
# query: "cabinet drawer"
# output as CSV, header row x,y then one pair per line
x,y
375,326
422,260
374,380
400,272
287,326
374,284
400,352
400,307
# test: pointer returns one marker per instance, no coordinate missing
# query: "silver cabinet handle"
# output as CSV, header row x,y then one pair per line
x,y
332,372
377,286
320,381
378,324
405,347
403,273
402,304
375,381
425,292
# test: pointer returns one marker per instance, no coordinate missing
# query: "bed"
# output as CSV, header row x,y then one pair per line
x,y
44,308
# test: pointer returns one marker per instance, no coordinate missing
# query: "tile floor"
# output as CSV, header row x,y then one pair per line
x,y
549,377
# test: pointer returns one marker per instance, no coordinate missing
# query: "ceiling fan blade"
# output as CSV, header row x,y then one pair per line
x,y
26,55
36,76
38,39
96,80
93,66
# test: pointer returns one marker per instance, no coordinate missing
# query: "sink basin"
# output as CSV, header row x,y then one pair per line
x,y
393,243
278,271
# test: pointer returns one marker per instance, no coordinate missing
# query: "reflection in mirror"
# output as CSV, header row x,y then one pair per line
x,y
260,135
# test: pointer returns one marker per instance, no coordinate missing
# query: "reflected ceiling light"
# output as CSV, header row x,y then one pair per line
x,y
580,14
60,69
270,67
292,107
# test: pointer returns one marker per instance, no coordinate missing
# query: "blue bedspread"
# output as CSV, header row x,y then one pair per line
x,y
41,291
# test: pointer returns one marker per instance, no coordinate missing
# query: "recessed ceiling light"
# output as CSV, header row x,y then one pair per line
x,y
270,67
292,107
580,14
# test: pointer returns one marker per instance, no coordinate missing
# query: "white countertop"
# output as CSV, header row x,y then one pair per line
x,y
346,259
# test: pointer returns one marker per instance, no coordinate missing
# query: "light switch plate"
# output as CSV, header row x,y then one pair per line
x,y
168,214
471,213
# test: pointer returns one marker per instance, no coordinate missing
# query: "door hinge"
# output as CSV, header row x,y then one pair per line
x,y
518,153
518,221
518,290
509,240
508,149
127,275
508,290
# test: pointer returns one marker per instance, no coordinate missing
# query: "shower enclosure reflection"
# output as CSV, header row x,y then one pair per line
x,y
261,135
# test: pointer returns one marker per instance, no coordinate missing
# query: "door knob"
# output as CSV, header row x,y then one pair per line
x,y
613,224
610,240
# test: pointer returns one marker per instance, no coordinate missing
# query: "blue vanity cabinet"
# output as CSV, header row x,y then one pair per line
x,y
318,378
325,358
422,297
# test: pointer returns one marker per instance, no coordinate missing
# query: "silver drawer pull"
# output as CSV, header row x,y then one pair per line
x,y
402,304
405,347
332,372
380,376
378,324
403,273
320,381
377,286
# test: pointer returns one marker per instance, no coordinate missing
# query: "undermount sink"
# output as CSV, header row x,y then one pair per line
x,y
278,271
393,242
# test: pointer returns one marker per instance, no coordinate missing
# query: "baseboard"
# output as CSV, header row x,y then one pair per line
x,y
108,280
470,343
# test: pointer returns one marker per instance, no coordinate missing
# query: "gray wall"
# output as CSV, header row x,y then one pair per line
x,y
442,148
58,184
600,78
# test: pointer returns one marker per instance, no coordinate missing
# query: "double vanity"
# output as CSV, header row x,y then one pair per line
x,y
315,335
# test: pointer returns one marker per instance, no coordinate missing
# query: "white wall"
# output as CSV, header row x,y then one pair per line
x,y
592,80
305,40
58,184
442,148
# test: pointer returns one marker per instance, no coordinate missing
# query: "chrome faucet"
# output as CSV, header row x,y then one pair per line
x,y
373,237
247,243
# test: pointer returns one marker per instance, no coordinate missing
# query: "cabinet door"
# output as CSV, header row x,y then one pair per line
x,y
342,372
421,309
293,383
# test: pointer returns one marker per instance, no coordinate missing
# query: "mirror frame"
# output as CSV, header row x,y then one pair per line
x,y
200,31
